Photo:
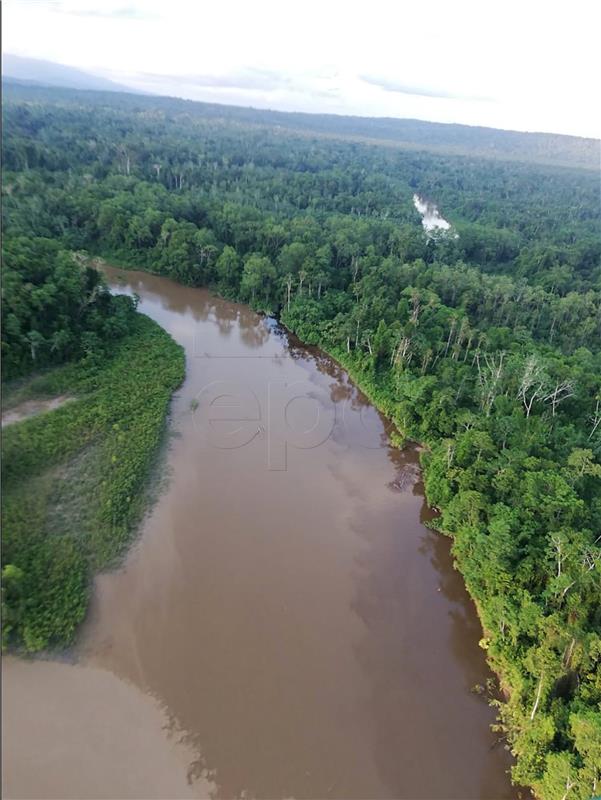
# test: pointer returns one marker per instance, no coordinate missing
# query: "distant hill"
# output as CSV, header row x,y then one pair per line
x,y
48,73
547,148
410,134
544,148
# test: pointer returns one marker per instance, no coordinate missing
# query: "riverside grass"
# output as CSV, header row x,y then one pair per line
x,y
74,480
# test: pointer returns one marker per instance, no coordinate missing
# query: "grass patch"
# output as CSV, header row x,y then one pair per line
x,y
74,478
40,385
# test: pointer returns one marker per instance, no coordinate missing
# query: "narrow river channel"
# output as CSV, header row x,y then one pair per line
x,y
285,626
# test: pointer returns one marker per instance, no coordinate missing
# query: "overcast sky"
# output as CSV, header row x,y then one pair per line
x,y
520,64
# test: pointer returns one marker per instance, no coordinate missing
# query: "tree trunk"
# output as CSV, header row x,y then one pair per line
x,y
537,701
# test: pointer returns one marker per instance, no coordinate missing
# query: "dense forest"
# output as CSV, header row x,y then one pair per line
x,y
72,481
55,307
545,148
483,342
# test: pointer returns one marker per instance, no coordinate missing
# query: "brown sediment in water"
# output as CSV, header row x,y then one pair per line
x,y
302,630
126,749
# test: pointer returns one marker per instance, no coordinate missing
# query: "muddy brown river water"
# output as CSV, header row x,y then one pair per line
x,y
284,626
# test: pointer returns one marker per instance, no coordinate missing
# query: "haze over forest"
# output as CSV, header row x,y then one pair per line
x,y
511,65
548,148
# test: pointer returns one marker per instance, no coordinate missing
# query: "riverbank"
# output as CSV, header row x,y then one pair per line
x,y
74,480
380,398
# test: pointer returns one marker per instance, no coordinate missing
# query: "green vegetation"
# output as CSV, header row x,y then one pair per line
x,y
73,480
490,143
485,346
54,308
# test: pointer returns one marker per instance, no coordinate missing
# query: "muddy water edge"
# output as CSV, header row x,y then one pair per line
x,y
285,626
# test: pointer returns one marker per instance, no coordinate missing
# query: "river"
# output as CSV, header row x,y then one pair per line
x,y
285,626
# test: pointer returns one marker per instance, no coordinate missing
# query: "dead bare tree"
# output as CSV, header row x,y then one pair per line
x,y
416,303
489,378
301,279
596,417
532,384
537,700
461,337
590,558
569,785
560,555
400,352
451,332
468,346
558,394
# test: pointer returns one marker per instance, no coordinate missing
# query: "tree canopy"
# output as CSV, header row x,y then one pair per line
x,y
484,342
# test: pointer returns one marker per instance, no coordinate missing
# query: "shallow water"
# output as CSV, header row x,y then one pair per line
x,y
285,626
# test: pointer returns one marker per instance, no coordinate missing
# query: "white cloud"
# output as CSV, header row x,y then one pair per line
x,y
506,63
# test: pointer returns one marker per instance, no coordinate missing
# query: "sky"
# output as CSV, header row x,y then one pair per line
x,y
518,64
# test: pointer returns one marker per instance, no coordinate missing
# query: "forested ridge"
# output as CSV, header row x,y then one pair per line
x,y
545,148
484,343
